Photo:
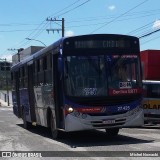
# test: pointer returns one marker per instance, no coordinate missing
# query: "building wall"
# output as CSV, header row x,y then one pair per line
x,y
25,53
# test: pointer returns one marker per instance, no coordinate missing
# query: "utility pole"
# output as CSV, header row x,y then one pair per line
x,y
58,29
19,50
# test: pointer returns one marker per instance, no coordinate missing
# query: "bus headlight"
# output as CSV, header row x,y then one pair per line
x,y
70,110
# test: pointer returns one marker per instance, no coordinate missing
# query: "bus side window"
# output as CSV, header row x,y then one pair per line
x,y
22,74
25,77
35,73
41,73
45,63
44,70
48,72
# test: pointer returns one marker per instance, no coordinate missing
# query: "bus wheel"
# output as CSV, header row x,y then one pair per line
x,y
26,124
111,132
55,133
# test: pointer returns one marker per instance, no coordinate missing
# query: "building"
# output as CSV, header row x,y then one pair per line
x,y
24,53
5,75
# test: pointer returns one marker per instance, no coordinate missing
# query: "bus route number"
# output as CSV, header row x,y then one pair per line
x,y
90,91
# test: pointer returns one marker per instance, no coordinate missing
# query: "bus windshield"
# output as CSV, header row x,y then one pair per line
x,y
91,76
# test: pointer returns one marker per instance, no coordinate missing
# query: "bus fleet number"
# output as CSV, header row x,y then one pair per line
x,y
124,108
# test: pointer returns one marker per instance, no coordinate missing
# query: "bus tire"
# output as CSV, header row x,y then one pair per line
x,y
112,132
54,132
26,125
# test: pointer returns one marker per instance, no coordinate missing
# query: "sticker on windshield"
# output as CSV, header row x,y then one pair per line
x,y
125,85
90,91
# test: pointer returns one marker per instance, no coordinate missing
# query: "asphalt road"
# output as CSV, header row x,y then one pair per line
x,y
129,144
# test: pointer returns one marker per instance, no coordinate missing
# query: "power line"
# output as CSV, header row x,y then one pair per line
x,y
91,24
74,8
148,34
119,16
58,15
65,8
150,40
141,28
143,13
21,30
41,29
55,20
18,24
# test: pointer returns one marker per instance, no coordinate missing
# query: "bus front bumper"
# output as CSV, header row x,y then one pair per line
x,y
129,119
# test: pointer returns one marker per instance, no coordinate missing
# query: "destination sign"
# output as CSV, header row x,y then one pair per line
x,y
102,44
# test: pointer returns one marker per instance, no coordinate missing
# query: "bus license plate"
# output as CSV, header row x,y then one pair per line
x,y
110,121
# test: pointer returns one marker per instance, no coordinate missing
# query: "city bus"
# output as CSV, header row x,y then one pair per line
x,y
73,85
151,102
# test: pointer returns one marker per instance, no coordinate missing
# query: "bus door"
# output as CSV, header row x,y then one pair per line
x,y
31,92
57,84
16,94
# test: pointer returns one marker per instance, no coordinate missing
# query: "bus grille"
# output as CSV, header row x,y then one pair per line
x,y
106,114
101,124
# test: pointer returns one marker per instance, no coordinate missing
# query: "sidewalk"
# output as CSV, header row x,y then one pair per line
x,y
4,104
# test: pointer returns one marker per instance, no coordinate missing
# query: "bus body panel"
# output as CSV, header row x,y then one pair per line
x,y
24,103
15,105
43,101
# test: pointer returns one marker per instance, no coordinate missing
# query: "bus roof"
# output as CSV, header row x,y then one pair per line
x,y
59,43
38,53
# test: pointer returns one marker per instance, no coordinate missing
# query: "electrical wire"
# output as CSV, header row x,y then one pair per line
x,y
142,43
74,8
119,16
41,29
64,8
148,34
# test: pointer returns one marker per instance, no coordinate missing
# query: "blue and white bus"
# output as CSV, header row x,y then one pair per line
x,y
74,84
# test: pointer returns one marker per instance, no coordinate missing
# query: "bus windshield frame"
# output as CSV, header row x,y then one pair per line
x,y
96,76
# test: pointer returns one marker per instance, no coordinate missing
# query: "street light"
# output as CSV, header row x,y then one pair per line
x,y
30,39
